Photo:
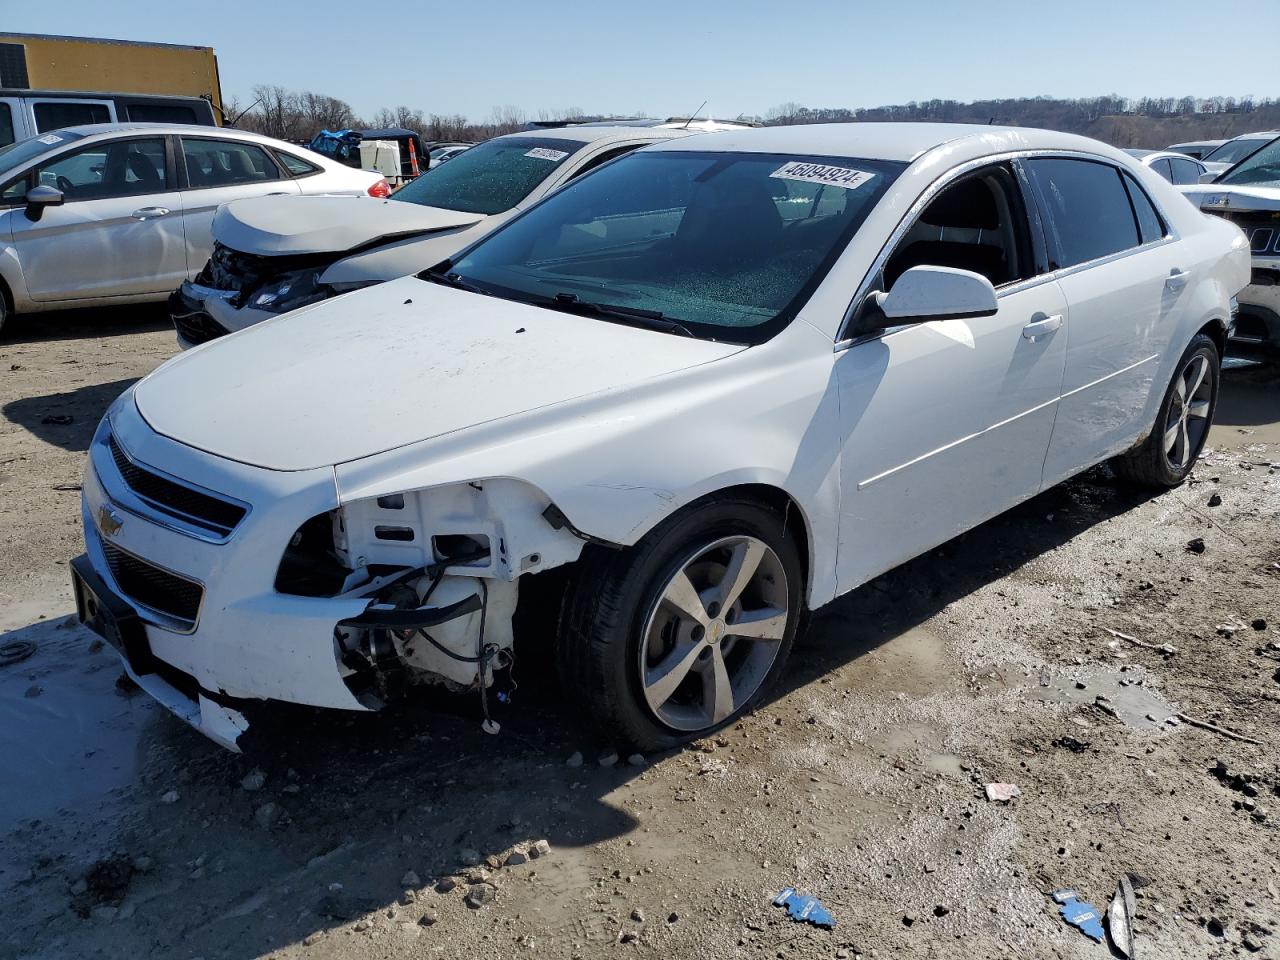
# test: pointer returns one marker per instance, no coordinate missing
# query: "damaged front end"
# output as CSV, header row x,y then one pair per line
x,y
439,569
236,289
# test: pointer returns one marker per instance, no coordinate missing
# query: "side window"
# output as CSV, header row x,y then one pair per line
x,y
1150,225
161,113
978,224
6,125
296,165
222,163
54,114
1184,171
604,158
1087,208
118,168
1162,167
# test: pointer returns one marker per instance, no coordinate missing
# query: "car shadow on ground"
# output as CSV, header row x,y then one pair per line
x,y
1250,395
85,323
67,419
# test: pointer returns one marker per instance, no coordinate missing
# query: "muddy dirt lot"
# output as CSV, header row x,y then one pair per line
x,y
124,834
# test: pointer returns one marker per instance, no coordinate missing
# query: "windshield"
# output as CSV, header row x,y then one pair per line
x,y
490,177
1233,151
727,246
16,155
1263,168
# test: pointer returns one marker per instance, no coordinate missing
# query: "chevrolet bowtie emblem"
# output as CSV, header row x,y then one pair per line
x,y
109,522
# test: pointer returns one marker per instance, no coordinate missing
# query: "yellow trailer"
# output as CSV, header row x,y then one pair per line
x,y
38,62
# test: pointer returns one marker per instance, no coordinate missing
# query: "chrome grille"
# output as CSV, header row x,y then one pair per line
x,y
151,587
198,508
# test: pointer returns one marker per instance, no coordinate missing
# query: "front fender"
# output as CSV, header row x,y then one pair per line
x,y
618,464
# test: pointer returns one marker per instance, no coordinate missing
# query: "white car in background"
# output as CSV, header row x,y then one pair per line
x,y
120,213
716,383
1196,149
1233,151
441,154
1248,195
281,253
1175,167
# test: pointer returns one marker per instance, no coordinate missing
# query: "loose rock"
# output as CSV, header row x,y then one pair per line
x,y
608,759
253,780
575,760
170,796
539,849
480,894
410,879
1196,545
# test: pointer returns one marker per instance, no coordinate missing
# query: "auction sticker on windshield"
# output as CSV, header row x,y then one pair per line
x,y
822,173
51,138
542,153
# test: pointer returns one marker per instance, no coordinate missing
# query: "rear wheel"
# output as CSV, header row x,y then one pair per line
x,y
1182,425
685,632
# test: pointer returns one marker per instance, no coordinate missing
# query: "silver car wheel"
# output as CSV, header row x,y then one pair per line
x,y
1188,420
713,633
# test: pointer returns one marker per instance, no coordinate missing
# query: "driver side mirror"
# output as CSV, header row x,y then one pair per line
x,y
936,293
38,198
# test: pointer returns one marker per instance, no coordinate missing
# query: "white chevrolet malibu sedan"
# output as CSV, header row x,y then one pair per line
x,y
715,383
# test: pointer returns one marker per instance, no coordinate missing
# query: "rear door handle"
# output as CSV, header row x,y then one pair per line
x,y
1038,328
1177,278
149,213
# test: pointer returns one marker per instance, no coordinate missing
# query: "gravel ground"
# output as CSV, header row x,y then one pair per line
x,y
124,834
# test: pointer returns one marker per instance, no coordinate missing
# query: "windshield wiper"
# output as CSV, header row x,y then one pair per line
x,y
632,316
441,274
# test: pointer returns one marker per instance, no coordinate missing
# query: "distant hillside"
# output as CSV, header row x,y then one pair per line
x,y
1148,122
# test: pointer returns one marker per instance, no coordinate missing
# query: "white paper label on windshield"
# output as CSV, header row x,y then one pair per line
x,y
543,153
51,138
830,176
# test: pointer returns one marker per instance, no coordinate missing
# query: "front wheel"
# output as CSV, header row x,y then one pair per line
x,y
1182,425
682,634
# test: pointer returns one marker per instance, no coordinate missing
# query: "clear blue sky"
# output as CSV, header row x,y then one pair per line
x,y
664,57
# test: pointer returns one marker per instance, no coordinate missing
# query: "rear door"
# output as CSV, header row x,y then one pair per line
x,y
1120,270
118,231
217,172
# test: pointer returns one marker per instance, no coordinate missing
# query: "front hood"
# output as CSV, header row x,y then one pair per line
x,y
395,364
1229,197
280,225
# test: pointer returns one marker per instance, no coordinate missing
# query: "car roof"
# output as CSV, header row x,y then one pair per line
x,y
1260,135
593,134
902,142
190,129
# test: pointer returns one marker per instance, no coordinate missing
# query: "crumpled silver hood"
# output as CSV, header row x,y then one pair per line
x,y
287,225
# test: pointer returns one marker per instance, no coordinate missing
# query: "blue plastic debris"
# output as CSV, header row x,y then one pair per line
x,y
1084,916
803,908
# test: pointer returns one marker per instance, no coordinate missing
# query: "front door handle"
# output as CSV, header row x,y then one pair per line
x,y
150,213
1038,328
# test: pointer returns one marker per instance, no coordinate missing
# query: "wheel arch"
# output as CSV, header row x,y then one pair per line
x,y
795,521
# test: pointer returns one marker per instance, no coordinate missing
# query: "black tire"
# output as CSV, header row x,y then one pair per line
x,y
4,308
607,606
1150,464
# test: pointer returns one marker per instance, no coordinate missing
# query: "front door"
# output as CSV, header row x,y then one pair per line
x,y
118,232
947,423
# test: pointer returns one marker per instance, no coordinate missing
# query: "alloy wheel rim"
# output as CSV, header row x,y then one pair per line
x,y
1188,420
714,633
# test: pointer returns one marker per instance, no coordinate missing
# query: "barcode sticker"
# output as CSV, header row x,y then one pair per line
x,y
542,153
